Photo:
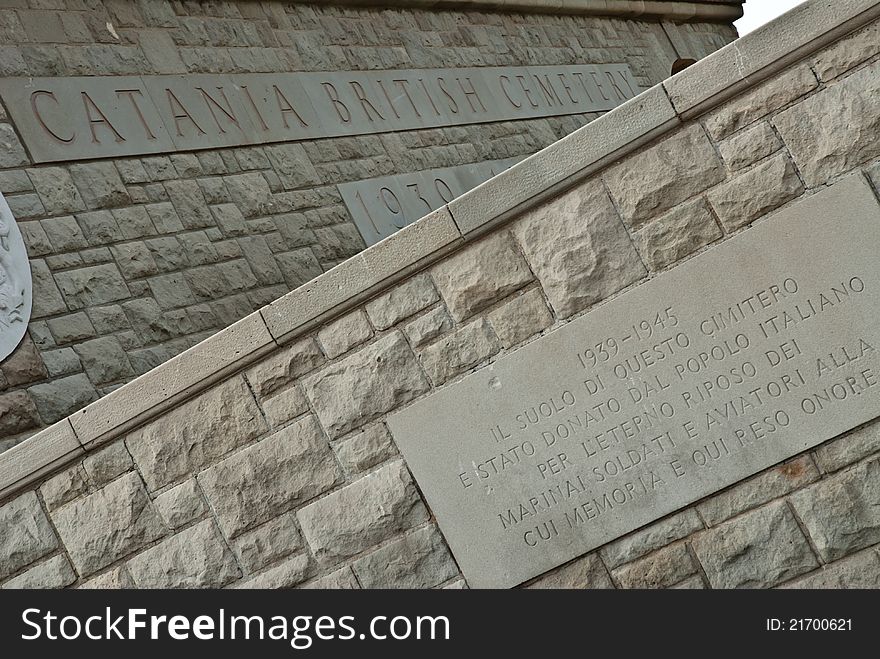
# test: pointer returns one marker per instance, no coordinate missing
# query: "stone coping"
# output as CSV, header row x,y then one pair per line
x,y
712,11
729,71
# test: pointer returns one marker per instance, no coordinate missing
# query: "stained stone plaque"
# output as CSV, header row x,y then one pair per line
x,y
15,283
73,118
742,357
380,206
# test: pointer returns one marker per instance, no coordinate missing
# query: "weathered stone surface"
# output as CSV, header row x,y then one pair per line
x,y
678,233
355,390
418,560
181,504
662,569
749,146
691,583
47,299
104,360
366,449
99,184
342,579
843,451
71,327
523,316
25,534
113,579
480,274
428,327
459,351
64,487
578,249
847,53
402,301
291,572
107,463
761,101
275,474
757,550
660,177
841,513
194,558
860,570
103,527
53,573
12,154
756,491
24,365
196,433
362,514
56,190
289,363
17,413
659,534
95,285
343,334
60,398
747,197
284,405
266,544
586,572
826,133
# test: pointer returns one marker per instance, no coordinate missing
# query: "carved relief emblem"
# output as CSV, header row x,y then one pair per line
x,y
15,283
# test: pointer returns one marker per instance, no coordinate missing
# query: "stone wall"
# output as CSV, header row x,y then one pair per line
x,y
136,259
271,466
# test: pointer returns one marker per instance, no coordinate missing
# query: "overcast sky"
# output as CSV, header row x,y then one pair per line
x,y
759,12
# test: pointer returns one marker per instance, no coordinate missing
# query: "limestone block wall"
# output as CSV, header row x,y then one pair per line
x,y
260,458
136,259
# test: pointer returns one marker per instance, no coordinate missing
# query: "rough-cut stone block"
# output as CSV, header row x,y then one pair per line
x,y
841,513
860,570
355,390
428,327
290,573
767,485
678,233
107,463
101,528
758,191
195,558
17,413
64,487
759,102
523,316
662,569
402,301
275,474
459,351
266,544
366,449
578,248
843,451
362,514
662,176
847,53
826,133
113,579
92,286
586,572
25,534
60,398
342,579
757,550
480,274
651,537
53,573
284,405
196,433
343,334
749,146
181,504
281,367
418,560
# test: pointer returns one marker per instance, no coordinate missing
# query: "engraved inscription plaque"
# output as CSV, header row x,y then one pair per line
x,y
380,206
74,118
746,355
15,283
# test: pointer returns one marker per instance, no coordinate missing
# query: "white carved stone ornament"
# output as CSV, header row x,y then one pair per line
x,y
15,283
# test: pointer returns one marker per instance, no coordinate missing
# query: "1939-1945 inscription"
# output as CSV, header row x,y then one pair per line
x,y
746,355
108,116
